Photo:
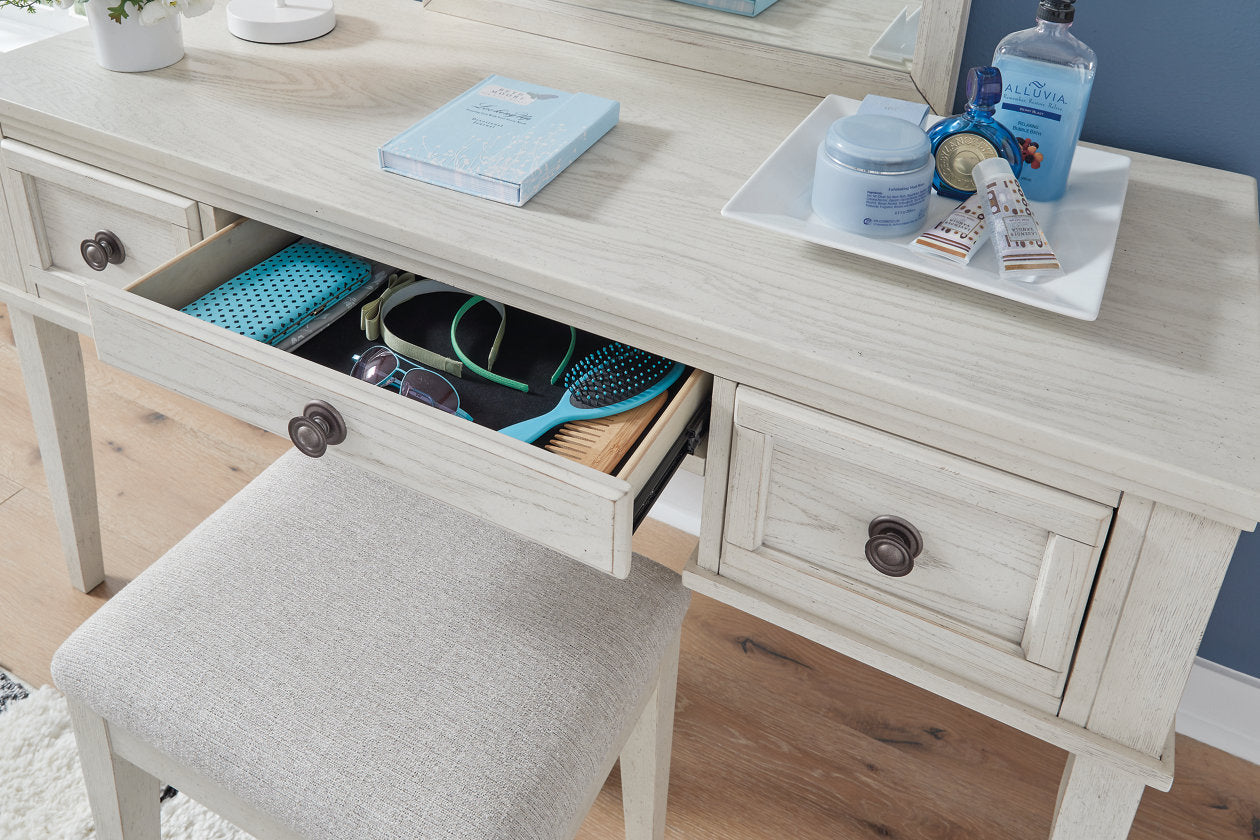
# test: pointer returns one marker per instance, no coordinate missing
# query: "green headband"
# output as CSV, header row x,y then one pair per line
x,y
494,377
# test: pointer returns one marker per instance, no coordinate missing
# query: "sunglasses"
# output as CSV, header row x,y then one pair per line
x,y
380,366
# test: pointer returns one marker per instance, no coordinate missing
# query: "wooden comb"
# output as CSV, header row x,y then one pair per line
x,y
602,443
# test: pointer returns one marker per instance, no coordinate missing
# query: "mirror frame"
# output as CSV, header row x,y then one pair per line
x,y
931,78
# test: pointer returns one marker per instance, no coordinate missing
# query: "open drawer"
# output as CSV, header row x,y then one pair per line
x,y
572,508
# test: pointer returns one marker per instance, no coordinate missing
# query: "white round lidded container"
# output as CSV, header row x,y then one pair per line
x,y
873,175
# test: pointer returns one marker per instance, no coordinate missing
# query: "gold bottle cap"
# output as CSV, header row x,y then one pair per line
x,y
956,156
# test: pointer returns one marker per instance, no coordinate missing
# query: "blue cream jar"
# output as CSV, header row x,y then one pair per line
x,y
873,176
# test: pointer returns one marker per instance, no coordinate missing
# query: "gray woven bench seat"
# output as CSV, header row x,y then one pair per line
x,y
361,662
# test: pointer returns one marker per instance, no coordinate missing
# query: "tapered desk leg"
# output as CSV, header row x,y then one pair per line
x,y
52,365
1160,576
1096,802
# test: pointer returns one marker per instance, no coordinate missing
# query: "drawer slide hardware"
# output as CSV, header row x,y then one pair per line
x,y
686,445
102,250
317,428
893,545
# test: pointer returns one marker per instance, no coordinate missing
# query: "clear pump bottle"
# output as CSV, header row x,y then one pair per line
x,y
1047,76
962,141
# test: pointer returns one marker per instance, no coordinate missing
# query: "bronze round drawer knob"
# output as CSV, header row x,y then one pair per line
x,y
319,427
103,249
893,545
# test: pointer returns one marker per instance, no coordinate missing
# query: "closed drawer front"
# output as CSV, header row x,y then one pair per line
x,y
572,508
58,203
998,591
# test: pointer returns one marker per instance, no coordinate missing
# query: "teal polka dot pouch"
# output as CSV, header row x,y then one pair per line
x,y
283,292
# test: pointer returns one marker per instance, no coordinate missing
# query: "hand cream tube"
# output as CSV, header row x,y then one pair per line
x,y
1021,246
958,235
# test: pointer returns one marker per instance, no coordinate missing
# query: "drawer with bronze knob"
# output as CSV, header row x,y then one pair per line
x,y
328,413
77,224
953,563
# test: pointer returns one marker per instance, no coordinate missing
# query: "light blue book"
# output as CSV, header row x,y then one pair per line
x,y
501,139
739,7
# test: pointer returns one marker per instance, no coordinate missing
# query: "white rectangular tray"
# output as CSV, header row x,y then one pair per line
x,y
1081,226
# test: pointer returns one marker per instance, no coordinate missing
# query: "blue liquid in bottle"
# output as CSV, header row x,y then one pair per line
x,y
962,141
1047,75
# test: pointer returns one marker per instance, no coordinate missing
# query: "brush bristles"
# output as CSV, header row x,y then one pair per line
x,y
613,374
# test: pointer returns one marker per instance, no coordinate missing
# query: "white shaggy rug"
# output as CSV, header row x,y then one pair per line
x,y
41,785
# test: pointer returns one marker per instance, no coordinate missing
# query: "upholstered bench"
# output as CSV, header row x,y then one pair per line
x,y
331,656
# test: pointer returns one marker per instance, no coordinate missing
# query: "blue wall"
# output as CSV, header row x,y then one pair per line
x,y
1177,80
1233,635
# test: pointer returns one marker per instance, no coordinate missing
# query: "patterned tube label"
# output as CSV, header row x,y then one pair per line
x,y
1021,246
958,235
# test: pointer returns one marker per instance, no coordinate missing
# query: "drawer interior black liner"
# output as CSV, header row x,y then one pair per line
x,y
532,347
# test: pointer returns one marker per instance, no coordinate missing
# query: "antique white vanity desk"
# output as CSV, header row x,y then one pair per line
x,y
1078,487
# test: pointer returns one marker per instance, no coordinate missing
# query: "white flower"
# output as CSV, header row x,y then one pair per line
x,y
156,10
150,11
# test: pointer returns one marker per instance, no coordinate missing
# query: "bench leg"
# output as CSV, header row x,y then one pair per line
x,y
123,797
645,757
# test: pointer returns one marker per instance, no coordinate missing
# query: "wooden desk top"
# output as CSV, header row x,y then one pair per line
x,y
1159,396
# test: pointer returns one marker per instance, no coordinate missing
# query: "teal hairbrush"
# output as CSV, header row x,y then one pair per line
x,y
613,379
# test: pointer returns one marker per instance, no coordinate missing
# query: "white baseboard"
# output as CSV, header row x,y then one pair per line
x,y
679,503
1221,707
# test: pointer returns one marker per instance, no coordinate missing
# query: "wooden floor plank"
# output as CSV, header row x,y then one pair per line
x,y
6,329
163,462
776,736
8,489
38,607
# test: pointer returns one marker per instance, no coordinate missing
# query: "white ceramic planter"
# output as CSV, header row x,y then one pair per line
x,y
130,47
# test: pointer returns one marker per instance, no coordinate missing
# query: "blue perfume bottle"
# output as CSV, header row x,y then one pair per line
x,y
962,141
